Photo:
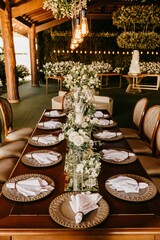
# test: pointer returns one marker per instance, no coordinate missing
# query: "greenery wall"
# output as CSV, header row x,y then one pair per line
x,y
52,40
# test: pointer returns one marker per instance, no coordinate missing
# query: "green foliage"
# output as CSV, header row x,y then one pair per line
x,y
22,71
139,16
140,40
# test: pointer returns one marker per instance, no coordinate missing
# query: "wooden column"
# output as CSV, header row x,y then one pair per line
x,y
32,43
9,53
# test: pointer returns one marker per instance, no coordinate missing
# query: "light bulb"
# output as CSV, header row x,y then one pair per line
x,y
74,41
77,30
84,23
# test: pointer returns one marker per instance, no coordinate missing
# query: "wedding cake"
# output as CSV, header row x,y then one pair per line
x,y
134,67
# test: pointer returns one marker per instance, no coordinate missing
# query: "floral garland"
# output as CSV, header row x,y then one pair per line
x,y
81,80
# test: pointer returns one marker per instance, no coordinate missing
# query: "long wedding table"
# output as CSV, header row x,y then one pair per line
x,y
126,221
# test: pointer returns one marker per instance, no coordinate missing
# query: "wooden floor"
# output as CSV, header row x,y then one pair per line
x,y
35,99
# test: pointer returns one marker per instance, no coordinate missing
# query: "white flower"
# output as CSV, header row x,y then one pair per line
x,y
79,168
78,141
61,137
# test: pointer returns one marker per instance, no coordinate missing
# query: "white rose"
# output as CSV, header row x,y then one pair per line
x,y
78,141
73,136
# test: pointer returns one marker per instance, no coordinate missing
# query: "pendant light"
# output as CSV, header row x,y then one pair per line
x,y
84,23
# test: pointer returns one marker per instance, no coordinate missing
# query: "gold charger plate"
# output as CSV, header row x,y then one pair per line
x,y
39,144
34,163
114,124
43,127
116,138
61,114
130,159
61,212
143,195
14,195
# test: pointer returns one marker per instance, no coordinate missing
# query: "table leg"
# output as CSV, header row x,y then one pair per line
x,y
46,84
130,88
60,85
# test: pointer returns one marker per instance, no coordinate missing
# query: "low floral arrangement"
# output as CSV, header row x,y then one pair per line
x,y
57,68
77,71
150,67
102,67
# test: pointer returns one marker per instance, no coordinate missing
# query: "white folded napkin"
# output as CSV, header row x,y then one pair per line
x,y
44,157
45,139
126,184
108,134
54,113
50,124
104,122
116,155
98,114
83,203
31,186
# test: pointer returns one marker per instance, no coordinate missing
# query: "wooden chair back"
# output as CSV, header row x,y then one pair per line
x,y
138,114
67,103
150,124
158,142
7,115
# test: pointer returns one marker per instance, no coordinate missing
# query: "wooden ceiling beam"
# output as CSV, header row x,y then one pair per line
x,y
26,7
50,24
99,16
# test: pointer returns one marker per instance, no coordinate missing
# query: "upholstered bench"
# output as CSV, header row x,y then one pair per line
x,y
102,102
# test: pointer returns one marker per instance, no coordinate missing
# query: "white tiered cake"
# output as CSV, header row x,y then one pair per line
x,y
134,67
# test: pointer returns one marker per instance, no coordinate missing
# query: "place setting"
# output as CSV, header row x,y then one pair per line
x,y
105,123
118,156
79,210
44,140
100,114
28,187
131,187
41,158
54,114
49,125
106,135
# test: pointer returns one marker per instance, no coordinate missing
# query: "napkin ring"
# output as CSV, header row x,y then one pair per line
x,y
79,212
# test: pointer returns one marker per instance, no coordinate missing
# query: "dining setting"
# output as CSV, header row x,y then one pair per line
x,y
40,178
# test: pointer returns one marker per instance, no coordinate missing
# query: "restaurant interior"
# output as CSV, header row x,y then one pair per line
x,y
80,129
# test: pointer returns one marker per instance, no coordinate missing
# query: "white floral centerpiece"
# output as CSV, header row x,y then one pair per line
x,y
150,67
57,68
102,67
82,164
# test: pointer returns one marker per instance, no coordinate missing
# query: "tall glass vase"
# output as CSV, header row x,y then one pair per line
x,y
73,179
